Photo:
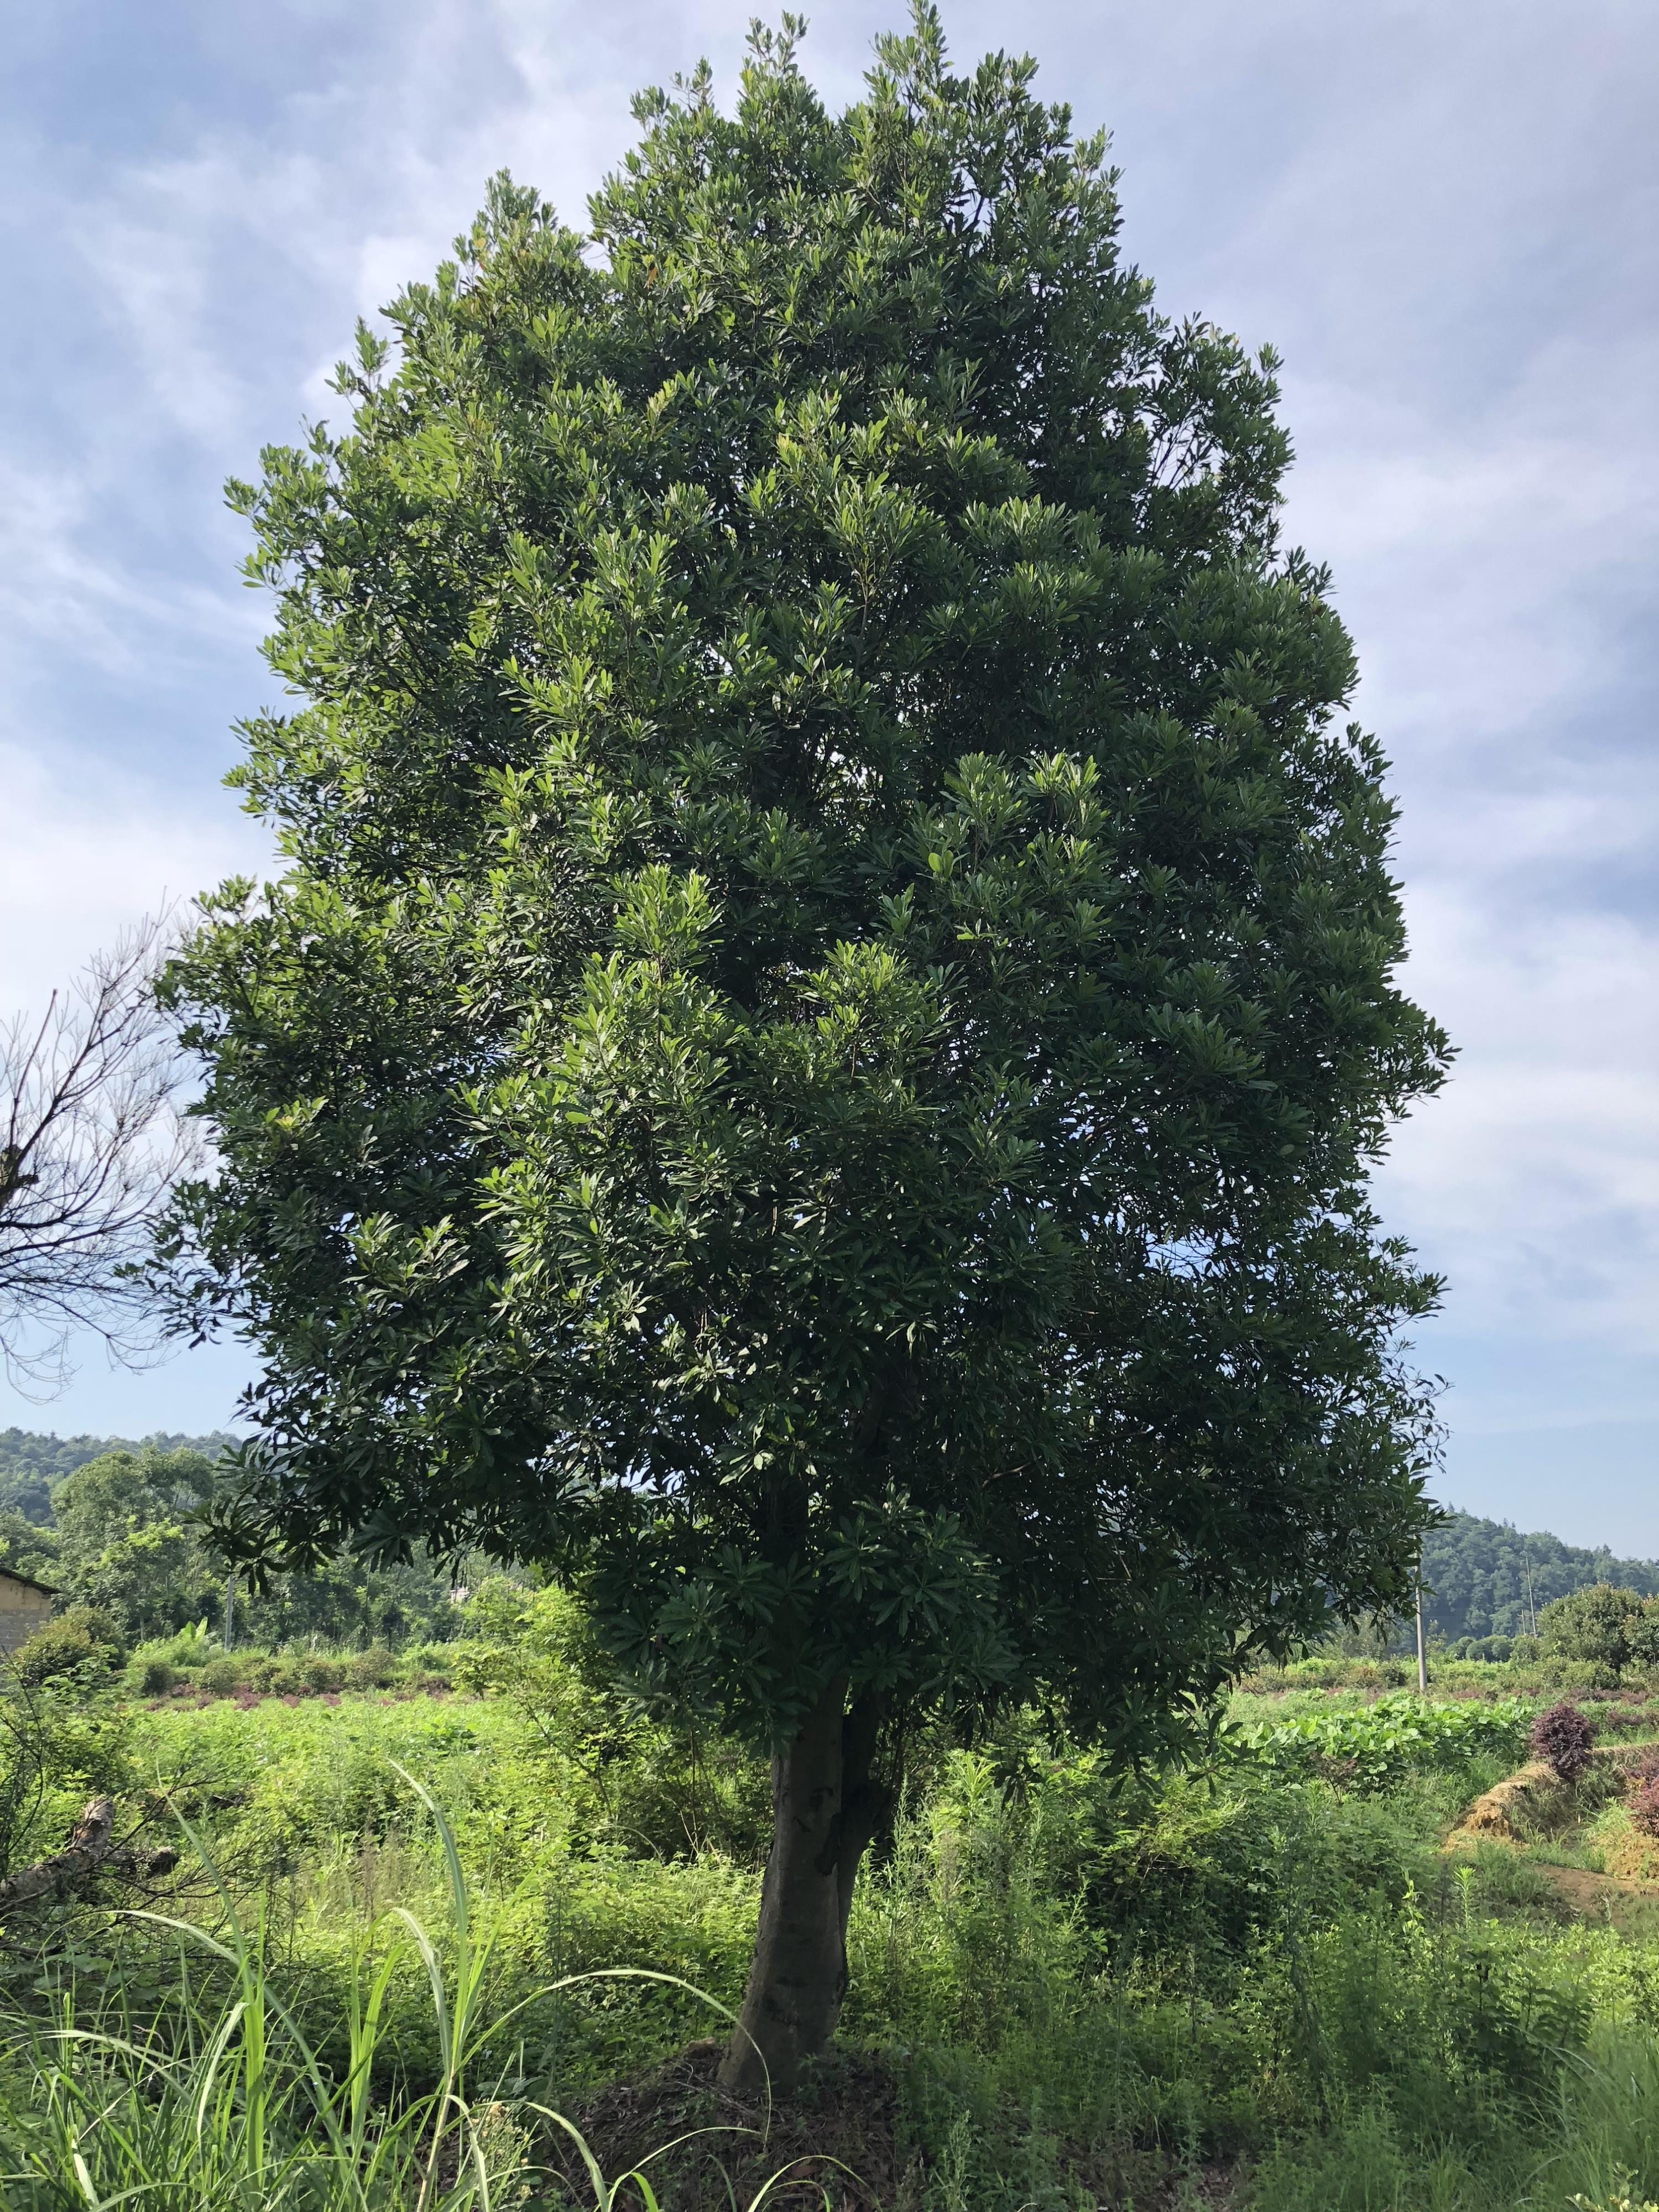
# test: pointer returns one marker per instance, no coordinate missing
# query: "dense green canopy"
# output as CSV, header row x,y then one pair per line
x,y
815,1059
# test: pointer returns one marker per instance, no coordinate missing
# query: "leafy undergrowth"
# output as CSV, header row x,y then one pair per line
x,y
1260,1982
1376,1744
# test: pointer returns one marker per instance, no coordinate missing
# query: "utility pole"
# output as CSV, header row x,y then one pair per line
x,y
1532,1610
1422,1653
230,1608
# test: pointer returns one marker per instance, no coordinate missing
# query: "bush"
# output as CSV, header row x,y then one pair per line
x,y
1491,1650
80,1635
1605,1626
373,1669
1564,1738
1642,1806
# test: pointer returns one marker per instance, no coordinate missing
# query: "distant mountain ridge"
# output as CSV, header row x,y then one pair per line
x,y
31,1462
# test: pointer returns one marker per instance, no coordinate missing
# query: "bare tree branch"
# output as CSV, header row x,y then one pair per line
x,y
91,1140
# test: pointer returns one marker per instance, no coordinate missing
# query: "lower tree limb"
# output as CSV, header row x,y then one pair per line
x,y
91,1848
824,1810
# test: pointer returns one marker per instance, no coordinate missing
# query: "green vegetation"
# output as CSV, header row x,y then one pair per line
x,y
121,1536
1262,1980
1605,1627
1485,1578
31,1463
1378,1744
807,1088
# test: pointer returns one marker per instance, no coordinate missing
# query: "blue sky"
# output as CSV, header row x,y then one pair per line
x,y
1446,218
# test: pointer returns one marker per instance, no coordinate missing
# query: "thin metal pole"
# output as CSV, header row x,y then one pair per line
x,y
1422,1655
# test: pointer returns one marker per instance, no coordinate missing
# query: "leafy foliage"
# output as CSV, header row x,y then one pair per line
x,y
1375,1746
1081,1980
58,1747
1485,1578
122,1533
239,2109
814,1063
1610,1627
31,1463
653,1773
1565,1739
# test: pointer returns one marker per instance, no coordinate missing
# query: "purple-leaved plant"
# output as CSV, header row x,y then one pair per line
x,y
1564,1738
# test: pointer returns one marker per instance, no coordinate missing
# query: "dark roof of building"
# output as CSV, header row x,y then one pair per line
x,y
11,1575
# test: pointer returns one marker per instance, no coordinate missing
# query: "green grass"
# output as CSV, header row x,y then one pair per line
x,y
1079,1989
230,2103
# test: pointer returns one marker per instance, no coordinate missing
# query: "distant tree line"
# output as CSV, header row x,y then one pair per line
x,y
115,1528
31,1462
1485,1578
124,1538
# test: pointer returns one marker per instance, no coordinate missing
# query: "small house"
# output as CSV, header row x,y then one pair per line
x,y
25,1606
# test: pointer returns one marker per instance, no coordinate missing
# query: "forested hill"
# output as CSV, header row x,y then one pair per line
x,y
1474,1576
30,1463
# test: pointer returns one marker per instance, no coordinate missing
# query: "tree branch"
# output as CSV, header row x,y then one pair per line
x,y
91,1140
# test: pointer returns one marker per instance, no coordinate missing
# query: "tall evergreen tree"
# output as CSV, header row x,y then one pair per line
x,y
814,1066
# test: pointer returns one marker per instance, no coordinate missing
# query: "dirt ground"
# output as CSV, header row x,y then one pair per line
x,y
838,2145
1631,1906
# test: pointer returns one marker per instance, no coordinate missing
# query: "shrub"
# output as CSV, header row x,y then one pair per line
x,y
1606,1625
1642,1806
80,1634
1564,1739
372,1669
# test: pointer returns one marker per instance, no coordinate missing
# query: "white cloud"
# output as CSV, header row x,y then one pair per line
x,y
1534,1180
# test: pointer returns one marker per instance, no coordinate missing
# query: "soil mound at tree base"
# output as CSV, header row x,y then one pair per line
x,y
844,2111
839,2135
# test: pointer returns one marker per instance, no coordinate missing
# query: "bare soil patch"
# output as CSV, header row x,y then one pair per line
x,y
1630,1905
836,2136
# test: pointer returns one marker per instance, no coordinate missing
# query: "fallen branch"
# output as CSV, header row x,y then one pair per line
x,y
91,1848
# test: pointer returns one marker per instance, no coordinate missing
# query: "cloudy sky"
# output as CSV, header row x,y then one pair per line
x,y
1447,219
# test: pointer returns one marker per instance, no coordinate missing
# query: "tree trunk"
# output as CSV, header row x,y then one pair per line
x,y
825,1808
